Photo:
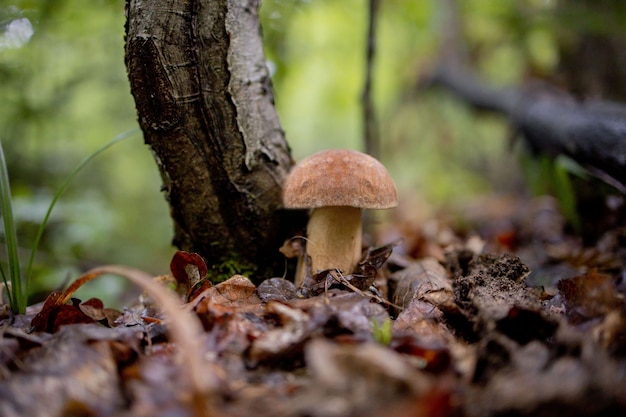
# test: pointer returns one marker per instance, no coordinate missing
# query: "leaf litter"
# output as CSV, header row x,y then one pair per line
x,y
442,325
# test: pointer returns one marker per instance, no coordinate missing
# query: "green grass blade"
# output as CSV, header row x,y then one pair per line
x,y
62,189
6,286
17,295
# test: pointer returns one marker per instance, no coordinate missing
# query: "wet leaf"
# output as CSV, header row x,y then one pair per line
x,y
237,293
366,270
94,309
422,319
426,280
70,314
74,366
198,289
276,289
189,269
283,344
590,295
44,320
362,279
523,325
320,283
346,376
432,357
375,258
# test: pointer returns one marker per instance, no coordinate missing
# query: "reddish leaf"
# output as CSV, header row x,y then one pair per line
x,y
94,308
54,315
435,359
188,268
198,289
69,314
44,320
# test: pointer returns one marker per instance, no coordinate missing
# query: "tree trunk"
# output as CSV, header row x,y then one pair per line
x,y
205,104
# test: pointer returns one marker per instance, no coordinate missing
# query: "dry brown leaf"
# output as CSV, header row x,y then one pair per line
x,y
426,280
237,293
352,379
590,295
276,289
283,343
76,365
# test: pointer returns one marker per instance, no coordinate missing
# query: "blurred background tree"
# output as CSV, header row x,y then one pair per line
x,y
65,93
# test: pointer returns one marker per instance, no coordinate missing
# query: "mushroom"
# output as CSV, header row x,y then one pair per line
x,y
337,185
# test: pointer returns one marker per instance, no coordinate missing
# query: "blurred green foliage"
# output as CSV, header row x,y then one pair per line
x,y
64,93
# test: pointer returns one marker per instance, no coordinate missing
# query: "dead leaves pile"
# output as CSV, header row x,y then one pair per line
x,y
464,336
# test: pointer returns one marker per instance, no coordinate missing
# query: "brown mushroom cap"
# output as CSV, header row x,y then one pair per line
x,y
339,177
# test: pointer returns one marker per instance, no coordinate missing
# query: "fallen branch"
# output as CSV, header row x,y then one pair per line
x,y
592,133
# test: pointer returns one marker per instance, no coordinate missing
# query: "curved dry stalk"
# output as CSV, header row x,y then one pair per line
x,y
184,327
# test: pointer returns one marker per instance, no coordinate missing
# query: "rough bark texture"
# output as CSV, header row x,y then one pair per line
x,y
204,101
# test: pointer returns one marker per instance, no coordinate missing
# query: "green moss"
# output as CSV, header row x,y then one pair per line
x,y
230,265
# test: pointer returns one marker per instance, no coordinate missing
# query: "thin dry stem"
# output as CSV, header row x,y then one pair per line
x,y
339,277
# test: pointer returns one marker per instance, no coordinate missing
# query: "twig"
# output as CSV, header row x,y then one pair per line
x,y
370,127
339,277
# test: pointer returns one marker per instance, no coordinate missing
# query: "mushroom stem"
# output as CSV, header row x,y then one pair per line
x,y
333,239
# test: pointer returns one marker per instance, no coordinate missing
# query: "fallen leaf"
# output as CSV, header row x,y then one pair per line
x,y
292,248
189,269
276,289
237,293
94,308
524,325
590,295
433,357
74,366
426,280
357,378
283,344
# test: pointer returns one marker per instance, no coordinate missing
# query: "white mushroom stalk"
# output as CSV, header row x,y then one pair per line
x,y
337,185
334,238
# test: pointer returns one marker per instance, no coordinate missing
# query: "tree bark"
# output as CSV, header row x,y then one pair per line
x,y
205,104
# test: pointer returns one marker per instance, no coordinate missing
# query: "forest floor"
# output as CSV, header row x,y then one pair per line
x,y
509,316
